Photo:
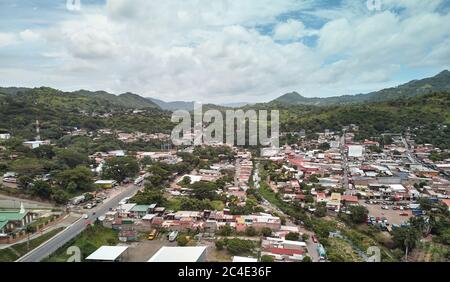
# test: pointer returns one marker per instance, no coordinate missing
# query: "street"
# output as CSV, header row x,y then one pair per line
x,y
49,247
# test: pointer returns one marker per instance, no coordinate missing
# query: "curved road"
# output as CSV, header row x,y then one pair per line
x,y
50,246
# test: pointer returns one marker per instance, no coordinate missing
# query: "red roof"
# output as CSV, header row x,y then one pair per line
x,y
289,252
447,202
350,198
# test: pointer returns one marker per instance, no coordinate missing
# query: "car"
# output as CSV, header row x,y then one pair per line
x,y
314,238
85,216
152,235
404,214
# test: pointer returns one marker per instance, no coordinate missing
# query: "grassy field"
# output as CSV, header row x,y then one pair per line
x,y
341,251
88,241
18,250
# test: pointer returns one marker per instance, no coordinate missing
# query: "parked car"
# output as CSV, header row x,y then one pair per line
x,y
152,234
314,238
173,236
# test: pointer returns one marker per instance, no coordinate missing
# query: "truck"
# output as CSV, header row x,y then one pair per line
x,y
173,236
418,212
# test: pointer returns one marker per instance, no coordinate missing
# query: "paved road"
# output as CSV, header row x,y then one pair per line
x,y
49,247
344,163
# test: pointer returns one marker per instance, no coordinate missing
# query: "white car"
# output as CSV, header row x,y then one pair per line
x,y
85,216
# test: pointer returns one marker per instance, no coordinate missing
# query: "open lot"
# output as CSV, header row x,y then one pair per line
x,y
142,251
393,216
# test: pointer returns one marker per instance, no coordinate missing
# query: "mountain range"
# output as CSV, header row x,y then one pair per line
x,y
438,83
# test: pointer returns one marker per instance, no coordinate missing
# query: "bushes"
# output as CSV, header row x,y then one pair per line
x,y
236,246
266,258
251,231
293,236
225,230
182,241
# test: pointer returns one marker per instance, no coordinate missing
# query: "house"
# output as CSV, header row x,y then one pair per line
x,y
13,220
35,144
334,203
139,211
5,136
180,254
349,200
447,203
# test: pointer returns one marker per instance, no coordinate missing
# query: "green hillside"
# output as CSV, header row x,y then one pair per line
x,y
438,83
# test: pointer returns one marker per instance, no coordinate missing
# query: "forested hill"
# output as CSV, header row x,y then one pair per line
x,y
82,100
438,83
426,116
59,112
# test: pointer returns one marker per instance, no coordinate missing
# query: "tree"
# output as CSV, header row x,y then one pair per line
x,y
266,231
41,189
266,258
358,214
59,196
120,168
185,181
239,247
220,244
250,231
44,152
77,179
307,259
293,236
324,146
225,230
182,241
71,158
405,238
27,166
305,237
24,181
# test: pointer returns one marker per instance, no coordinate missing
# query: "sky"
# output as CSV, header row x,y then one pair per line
x,y
222,51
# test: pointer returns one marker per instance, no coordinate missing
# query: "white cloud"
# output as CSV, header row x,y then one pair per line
x,y
7,39
213,50
291,30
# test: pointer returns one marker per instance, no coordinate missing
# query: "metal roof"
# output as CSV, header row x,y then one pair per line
x,y
107,253
178,254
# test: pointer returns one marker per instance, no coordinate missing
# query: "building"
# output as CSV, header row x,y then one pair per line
x,y
105,184
180,254
5,136
139,211
13,220
244,259
355,151
334,203
35,144
108,254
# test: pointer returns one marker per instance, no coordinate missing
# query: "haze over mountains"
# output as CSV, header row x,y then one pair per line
x,y
438,83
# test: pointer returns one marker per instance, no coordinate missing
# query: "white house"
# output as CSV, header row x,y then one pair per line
x,y
5,136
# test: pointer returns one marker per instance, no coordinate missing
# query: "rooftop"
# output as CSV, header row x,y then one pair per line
x,y
107,253
178,254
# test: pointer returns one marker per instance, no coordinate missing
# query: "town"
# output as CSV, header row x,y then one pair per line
x,y
317,198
